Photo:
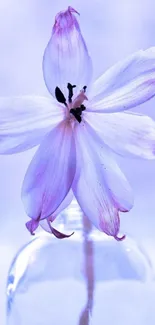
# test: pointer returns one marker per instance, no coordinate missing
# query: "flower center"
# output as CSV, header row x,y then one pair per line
x,y
76,106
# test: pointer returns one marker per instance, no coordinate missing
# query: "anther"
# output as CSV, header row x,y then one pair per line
x,y
80,109
84,88
70,88
60,96
76,115
83,107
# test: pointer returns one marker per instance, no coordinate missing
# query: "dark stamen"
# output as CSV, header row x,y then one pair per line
x,y
76,115
60,96
84,88
70,88
78,110
83,107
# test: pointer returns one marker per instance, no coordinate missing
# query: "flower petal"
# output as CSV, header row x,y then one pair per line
x,y
24,121
127,84
46,225
64,204
66,59
50,174
99,185
31,226
127,134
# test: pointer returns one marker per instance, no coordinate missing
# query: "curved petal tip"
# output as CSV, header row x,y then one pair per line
x,y
120,238
31,226
65,19
73,10
59,234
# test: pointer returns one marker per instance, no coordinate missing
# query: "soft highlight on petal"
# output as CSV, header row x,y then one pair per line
x,y
50,174
66,59
99,186
126,85
24,121
126,133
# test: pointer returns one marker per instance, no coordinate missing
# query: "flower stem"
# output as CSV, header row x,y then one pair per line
x,y
88,270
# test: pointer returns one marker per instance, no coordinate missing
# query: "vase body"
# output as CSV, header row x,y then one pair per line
x,y
55,282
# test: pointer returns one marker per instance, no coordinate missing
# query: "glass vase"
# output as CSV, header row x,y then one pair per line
x,y
55,282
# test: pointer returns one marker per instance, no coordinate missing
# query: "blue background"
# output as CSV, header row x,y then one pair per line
x,y
112,29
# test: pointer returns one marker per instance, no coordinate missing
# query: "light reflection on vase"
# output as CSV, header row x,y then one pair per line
x,y
55,282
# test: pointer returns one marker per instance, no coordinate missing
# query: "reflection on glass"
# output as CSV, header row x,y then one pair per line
x,y
55,282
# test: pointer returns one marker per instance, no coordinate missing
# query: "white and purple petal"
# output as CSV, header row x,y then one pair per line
x,y
99,185
24,121
126,133
46,223
66,59
32,225
50,174
127,84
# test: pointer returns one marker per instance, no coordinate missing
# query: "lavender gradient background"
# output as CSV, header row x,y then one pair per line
x,y
112,29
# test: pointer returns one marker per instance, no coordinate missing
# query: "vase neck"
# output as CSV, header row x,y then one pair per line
x,y
72,218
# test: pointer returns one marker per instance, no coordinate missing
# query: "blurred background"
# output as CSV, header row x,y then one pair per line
x,y
112,29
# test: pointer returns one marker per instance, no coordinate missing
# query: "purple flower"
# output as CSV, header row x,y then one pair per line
x,y
78,129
